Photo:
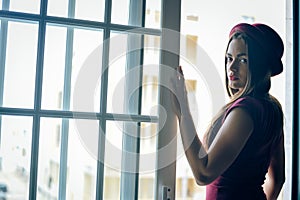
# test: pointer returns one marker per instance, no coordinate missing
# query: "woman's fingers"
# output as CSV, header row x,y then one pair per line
x,y
180,70
179,73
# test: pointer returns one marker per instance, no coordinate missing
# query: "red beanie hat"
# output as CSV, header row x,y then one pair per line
x,y
269,40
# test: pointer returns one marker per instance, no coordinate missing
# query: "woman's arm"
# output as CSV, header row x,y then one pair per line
x,y
231,138
276,173
227,145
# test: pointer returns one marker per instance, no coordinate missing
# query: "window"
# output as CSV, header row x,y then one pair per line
x,y
79,89
191,48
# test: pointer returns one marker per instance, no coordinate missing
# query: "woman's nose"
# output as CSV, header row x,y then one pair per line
x,y
233,65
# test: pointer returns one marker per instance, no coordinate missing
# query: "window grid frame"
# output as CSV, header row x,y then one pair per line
x,y
37,112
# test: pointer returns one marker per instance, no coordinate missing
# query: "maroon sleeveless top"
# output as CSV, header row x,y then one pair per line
x,y
243,180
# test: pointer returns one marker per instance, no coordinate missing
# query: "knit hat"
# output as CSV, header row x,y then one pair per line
x,y
268,39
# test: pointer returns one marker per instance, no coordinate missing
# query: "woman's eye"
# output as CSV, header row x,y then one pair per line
x,y
228,59
243,60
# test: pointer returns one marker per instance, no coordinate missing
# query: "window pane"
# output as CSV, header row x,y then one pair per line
x,y
86,70
120,11
153,12
58,8
20,65
90,9
82,159
150,75
31,6
86,66
15,154
84,9
113,157
186,186
125,72
116,74
54,65
148,152
49,158
115,143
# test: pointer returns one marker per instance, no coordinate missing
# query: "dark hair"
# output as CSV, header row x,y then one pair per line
x,y
259,76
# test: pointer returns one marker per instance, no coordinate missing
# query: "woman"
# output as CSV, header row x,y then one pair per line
x,y
245,141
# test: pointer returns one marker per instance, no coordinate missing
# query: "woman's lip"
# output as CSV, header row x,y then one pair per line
x,y
233,78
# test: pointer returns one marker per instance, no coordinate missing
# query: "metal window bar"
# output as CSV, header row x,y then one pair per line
x,y
169,57
66,105
79,115
103,102
37,103
131,132
132,102
3,44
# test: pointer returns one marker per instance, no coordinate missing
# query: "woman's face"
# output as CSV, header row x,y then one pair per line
x,y
237,64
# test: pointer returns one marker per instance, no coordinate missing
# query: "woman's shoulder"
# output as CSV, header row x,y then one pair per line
x,y
257,106
252,105
248,101
261,103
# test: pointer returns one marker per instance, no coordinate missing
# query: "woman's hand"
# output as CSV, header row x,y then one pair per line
x,y
180,99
